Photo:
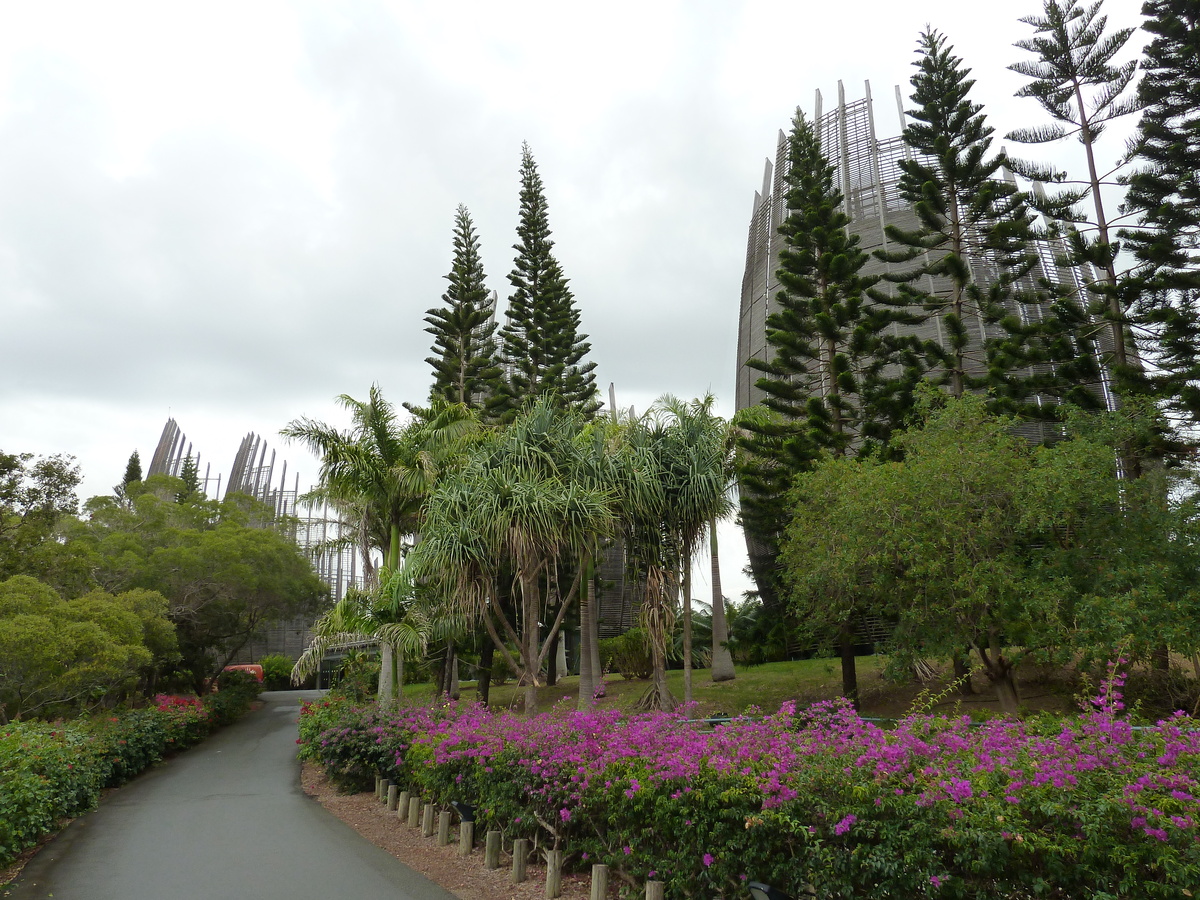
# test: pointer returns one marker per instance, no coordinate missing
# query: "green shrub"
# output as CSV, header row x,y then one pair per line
x,y
236,690
277,671
50,771
628,653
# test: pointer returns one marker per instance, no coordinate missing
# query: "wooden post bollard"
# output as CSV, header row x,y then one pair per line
x,y
427,820
599,881
443,828
654,890
491,850
553,874
378,783
393,796
466,838
414,812
402,805
520,851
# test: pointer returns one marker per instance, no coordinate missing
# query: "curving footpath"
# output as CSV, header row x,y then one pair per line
x,y
224,821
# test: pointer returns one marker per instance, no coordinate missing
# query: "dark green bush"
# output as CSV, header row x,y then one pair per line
x,y
628,653
235,692
277,671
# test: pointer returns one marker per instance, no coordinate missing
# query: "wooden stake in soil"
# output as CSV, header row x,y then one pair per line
x,y
491,851
520,851
414,812
466,838
378,784
443,828
553,874
402,805
393,796
654,890
599,881
427,820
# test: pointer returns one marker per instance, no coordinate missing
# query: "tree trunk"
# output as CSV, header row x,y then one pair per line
x,y
1160,658
849,668
593,625
962,674
552,660
387,685
587,674
722,660
1000,674
483,680
687,628
531,607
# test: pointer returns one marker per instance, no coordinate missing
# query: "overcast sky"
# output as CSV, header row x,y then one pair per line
x,y
230,213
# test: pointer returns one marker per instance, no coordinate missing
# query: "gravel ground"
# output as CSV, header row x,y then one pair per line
x,y
467,878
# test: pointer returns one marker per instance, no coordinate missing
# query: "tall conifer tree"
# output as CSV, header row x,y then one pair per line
x,y
825,387
541,348
1075,77
1164,192
970,248
464,363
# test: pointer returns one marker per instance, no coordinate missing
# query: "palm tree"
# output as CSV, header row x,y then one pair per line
x,y
385,617
381,471
722,659
698,468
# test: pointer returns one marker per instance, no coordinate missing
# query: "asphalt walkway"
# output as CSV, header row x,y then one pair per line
x,y
224,821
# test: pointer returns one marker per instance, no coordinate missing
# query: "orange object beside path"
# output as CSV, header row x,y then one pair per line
x,y
255,670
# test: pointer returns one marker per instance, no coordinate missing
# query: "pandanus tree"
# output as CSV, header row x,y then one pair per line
x,y
517,509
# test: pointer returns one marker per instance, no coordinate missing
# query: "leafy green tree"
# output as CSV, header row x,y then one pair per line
x,y
61,655
980,539
464,348
224,575
541,349
37,496
970,221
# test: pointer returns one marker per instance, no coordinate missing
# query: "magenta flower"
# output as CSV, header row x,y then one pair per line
x,y
708,860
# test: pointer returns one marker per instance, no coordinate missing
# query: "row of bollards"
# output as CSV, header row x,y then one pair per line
x,y
408,808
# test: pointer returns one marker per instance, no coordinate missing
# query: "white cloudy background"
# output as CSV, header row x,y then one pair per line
x,y
231,212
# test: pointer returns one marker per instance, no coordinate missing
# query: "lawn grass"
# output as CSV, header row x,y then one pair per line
x,y
754,688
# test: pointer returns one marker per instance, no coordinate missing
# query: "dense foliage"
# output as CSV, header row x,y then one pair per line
x,y
58,655
50,771
1084,806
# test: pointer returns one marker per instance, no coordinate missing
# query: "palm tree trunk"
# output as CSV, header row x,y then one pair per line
x,y
687,628
593,625
722,660
387,690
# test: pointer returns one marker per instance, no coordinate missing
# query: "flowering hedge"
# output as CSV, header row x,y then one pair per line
x,y
817,800
52,771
